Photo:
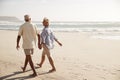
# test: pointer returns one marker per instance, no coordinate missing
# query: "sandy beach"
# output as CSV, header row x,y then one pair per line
x,y
80,58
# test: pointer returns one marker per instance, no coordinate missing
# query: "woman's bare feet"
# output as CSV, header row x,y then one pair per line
x,y
33,75
39,65
52,70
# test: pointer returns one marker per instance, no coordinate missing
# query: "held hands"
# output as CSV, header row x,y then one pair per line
x,y
39,46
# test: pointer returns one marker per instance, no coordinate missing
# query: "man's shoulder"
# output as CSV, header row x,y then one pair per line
x,y
28,23
24,24
33,24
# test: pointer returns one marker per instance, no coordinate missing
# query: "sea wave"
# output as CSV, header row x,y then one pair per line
x,y
69,26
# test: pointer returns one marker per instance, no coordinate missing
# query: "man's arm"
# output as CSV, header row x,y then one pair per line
x,y
18,40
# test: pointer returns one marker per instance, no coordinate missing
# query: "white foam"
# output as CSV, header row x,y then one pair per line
x,y
106,37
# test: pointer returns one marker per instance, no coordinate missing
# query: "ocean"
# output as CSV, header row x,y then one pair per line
x,y
102,30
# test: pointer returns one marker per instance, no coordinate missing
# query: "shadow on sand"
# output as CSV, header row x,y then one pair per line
x,y
8,77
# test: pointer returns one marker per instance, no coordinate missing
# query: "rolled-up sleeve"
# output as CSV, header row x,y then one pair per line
x,y
53,36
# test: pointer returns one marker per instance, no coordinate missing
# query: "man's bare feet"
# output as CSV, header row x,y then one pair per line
x,y
23,69
39,65
52,70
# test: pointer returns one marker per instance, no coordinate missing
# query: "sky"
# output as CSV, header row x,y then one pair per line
x,y
62,10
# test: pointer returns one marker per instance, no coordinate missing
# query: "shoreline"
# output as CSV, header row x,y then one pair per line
x,y
94,35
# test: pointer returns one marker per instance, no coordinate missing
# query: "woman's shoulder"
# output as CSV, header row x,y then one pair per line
x,y
47,29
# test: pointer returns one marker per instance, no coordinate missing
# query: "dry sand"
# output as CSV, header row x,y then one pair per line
x,y
80,58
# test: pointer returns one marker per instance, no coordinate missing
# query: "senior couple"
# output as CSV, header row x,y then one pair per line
x,y
30,34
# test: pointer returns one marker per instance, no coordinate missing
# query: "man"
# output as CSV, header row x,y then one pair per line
x,y
47,38
28,31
